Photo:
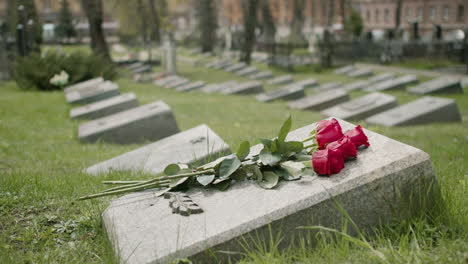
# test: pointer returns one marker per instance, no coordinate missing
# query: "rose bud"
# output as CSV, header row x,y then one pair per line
x,y
327,161
327,132
358,137
345,146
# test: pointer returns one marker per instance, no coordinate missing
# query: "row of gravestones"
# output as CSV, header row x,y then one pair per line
x,y
143,229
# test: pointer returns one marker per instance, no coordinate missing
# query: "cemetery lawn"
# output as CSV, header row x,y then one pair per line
x,y
41,162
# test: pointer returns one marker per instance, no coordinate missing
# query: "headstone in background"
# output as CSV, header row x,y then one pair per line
x,y
216,87
105,107
165,80
142,69
362,107
236,67
328,86
135,65
191,86
103,91
147,122
381,77
355,86
261,75
196,145
374,190
285,93
422,111
439,85
247,71
283,79
307,83
345,69
177,83
320,101
251,87
170,61
85,85
393,84
360,73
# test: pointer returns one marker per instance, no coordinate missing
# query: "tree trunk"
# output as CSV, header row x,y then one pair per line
x,y
343,11
327,45
250,8
398,17
156,23
297,23
268,23
206,12
93,10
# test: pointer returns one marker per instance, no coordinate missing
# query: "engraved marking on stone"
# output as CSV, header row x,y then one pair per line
x,y
360,103
182,204
197,140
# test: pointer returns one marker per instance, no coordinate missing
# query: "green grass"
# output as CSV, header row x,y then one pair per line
x,y
41,162
427,64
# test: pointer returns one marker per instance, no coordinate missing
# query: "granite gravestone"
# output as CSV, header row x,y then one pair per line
x,y
222,65
135,65
381,77
92,83
345,69
236,67
106,107
320,101
284,79
198,144
251,87
328,86
355,86
142,69
177,83
422,111
439,85
247,71
191,86
360,73
148,122
285,93
362,107
103,91
215,87
307,83
261,75
374,190
165,80
393,84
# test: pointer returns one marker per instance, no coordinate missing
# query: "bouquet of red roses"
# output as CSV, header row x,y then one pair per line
x,y
279,160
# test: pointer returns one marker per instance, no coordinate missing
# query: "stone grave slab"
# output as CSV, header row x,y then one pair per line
x,y
222,65
148,77
147,122
191,86
439,85
236,67
85,85
135,65
283,79
328,86
425,110
285,93
168,83
163,81
198,144
251,87
178,83
320,101
360,73
464,82
355,86
345,69
307,83
216,87
362,107
105,107
103,91
142,69
247,71
393,84
381,77
261,75
373,189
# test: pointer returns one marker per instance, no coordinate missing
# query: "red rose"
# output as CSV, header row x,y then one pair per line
x,y
345,146
327,161
358,137
327,132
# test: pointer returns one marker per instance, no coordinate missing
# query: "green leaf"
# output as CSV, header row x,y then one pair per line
x,y
294,170
243,151
239,175
301,156
222,184
285,128
172,169
275,145
266,142
269,158
205,179
294,146
214,164
270,180
229,166
253,172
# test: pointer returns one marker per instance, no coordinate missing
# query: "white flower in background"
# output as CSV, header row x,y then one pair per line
x,y
60,79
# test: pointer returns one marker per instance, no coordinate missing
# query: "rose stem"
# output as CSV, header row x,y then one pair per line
x,y
140,188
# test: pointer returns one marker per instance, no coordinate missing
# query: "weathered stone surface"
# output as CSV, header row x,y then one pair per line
x,y
177,83
167,79
359,73
422,111
191,86
142,69
135,65
374,190
345,70
328,86
355,86
381,77
261,75
251,87
439,85
148,122
195,145
236,67
148,77
92,83
223,65
362,107
103,91
285,93
215,87
283,79
464,82
307,83
247,71
320,101
393,84
105,107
